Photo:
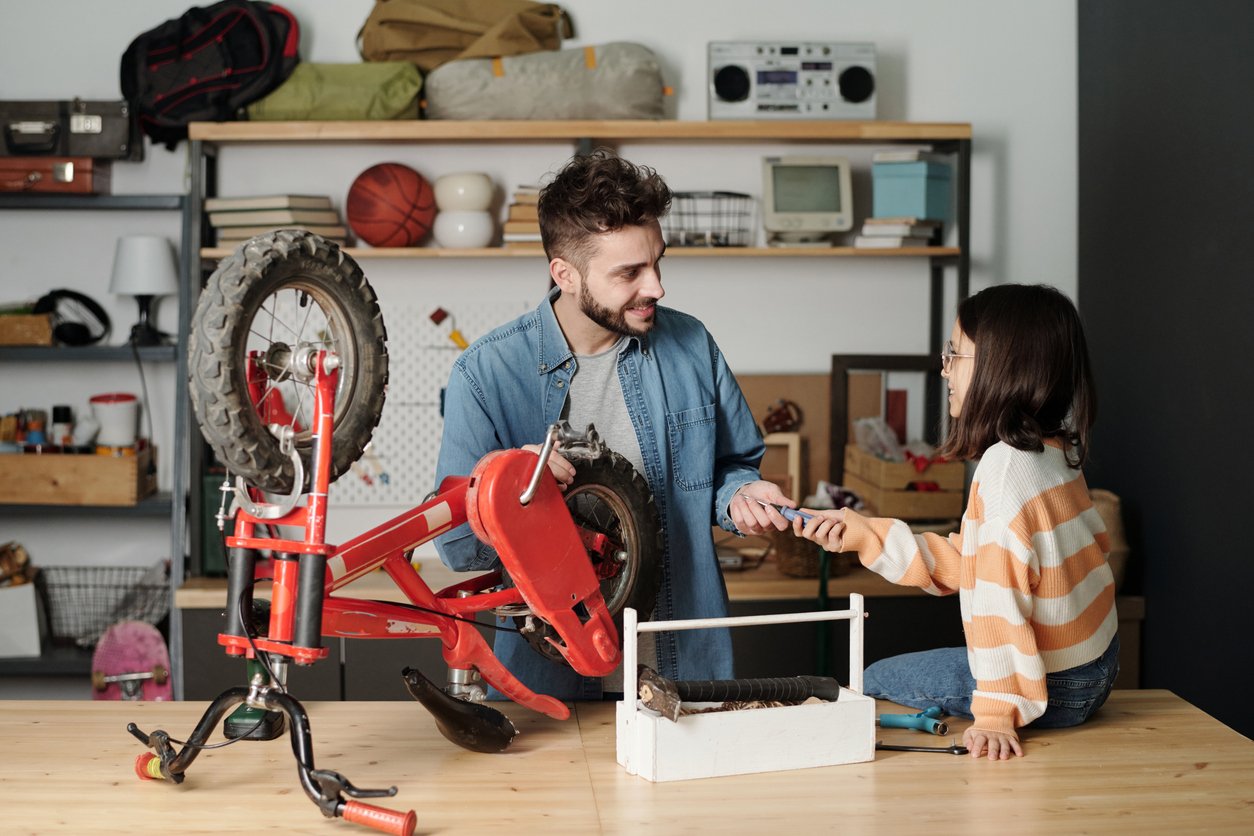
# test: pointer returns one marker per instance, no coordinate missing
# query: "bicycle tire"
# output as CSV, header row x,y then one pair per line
x,y
608,482
260,281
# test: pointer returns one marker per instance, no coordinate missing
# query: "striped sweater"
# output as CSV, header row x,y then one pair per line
x,y
1029,567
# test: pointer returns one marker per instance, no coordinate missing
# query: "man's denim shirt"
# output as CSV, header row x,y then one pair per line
x,y
699,442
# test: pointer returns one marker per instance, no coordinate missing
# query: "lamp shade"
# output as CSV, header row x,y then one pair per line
x,y
143,265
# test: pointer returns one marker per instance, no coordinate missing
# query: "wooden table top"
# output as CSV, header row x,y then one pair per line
x,y
1149,762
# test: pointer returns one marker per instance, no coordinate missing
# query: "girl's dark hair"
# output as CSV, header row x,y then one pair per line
x,y
1031,379
596,193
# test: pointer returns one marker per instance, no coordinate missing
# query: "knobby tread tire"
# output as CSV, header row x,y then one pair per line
x,y
217,361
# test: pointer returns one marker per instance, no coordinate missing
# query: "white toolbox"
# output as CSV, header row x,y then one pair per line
x,y
753,740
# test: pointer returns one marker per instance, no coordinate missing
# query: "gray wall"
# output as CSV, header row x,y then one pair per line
x,y
1166,288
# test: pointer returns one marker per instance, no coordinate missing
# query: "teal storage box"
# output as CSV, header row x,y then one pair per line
x,y
912,190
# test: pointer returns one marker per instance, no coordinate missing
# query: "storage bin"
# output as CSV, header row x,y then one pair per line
x,y
912,190
84,601
76,479
885,486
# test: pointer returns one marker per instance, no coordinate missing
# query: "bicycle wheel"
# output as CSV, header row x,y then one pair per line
x,y
276,294
609,497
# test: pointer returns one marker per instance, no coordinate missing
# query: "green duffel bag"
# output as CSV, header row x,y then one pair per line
x,y
373,90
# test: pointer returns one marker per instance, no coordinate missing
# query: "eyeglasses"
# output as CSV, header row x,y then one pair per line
x,y
949,354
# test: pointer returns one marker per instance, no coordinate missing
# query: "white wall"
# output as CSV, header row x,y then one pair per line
x,y
1006,66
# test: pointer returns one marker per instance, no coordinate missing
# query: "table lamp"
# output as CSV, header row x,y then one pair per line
x,y
144,267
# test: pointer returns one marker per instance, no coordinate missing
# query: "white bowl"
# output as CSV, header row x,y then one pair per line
x,y
464,230
467,191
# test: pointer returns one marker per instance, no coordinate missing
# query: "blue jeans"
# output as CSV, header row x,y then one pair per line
x,y
943,678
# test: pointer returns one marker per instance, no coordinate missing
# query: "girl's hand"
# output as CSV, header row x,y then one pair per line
x,y
561,468
999,745
827,528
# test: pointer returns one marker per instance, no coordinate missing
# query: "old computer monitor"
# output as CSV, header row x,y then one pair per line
x,y
805,199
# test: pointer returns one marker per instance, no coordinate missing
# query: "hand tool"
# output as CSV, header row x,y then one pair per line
x,y
925,721
790,514
952,748
665,696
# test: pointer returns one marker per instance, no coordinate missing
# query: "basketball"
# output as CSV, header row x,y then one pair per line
x,y
390,205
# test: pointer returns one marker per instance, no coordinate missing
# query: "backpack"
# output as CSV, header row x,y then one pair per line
x,y
207,64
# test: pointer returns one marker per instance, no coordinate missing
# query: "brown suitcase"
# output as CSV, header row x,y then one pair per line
x,y
54,175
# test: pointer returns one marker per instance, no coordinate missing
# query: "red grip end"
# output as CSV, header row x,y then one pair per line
x,y
142,769
380,818
439,315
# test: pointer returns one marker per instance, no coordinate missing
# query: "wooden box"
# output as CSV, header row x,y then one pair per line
x,y
26,329
750,740
54,175
885,486
76,479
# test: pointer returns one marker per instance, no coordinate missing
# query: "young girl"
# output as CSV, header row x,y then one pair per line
x,y
1029,563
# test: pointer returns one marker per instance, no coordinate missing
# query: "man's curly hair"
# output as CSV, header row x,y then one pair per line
x,y
594,194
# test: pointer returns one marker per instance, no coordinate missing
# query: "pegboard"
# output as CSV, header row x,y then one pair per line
x,y
398,467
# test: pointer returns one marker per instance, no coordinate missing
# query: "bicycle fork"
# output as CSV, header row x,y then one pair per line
x,y
325,787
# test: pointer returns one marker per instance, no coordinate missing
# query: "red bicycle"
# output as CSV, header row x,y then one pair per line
x,y
288,367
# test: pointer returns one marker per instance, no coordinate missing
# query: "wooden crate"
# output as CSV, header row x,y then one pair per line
x,y
26,329
951,476
76,479
883,485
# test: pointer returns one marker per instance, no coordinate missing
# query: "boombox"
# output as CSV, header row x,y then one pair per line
x,y
791,80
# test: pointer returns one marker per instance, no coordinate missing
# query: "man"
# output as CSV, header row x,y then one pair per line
x,y
600,350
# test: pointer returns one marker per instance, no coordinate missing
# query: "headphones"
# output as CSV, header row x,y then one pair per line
x,y
76,319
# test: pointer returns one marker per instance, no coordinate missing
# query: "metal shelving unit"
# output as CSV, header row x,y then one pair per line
x,y
172,505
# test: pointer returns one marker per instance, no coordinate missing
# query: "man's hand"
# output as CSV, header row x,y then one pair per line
x,y
751,516
1000,745
827,528
561,468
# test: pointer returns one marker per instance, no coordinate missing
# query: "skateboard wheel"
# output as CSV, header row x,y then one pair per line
x,y
160,674
98,681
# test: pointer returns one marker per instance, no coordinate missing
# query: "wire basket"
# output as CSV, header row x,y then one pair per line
x,y
84,601
709,219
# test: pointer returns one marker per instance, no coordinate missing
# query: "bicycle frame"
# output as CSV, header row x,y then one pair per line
x,y
538,543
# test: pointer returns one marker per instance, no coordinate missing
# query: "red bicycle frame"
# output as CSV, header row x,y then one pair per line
x,y
511,502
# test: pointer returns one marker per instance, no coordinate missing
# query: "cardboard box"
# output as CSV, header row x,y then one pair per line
x,y
76,479
751,740
22,623
26,329
885,486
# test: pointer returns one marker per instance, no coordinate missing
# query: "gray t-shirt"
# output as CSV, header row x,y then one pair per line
x,y
596,397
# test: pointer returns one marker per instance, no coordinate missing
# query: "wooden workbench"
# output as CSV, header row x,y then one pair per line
x,y
1148,763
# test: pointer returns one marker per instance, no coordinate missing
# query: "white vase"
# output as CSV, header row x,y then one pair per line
x,y
467,191
464,230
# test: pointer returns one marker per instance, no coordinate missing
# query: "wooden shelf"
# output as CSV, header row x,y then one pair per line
x,y
520,130
678,252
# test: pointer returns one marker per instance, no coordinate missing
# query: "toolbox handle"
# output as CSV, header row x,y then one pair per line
x,y
31,137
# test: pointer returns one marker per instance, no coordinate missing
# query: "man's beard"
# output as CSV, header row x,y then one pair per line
x,y
614,321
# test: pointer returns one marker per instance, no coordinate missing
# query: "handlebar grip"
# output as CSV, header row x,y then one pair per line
x,y
148,767
381,818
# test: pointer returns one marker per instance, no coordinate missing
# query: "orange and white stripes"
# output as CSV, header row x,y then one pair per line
x,y
1029,567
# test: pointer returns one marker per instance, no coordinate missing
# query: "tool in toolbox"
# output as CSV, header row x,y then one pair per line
x,y
928,720
666,697
70,128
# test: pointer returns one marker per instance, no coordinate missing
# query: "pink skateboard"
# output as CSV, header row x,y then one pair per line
x,y
131,663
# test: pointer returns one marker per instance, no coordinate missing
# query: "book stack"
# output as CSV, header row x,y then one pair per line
x,y
522,223
236,219
894,233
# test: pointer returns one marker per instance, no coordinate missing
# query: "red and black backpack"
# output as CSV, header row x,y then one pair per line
x,y
207,64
